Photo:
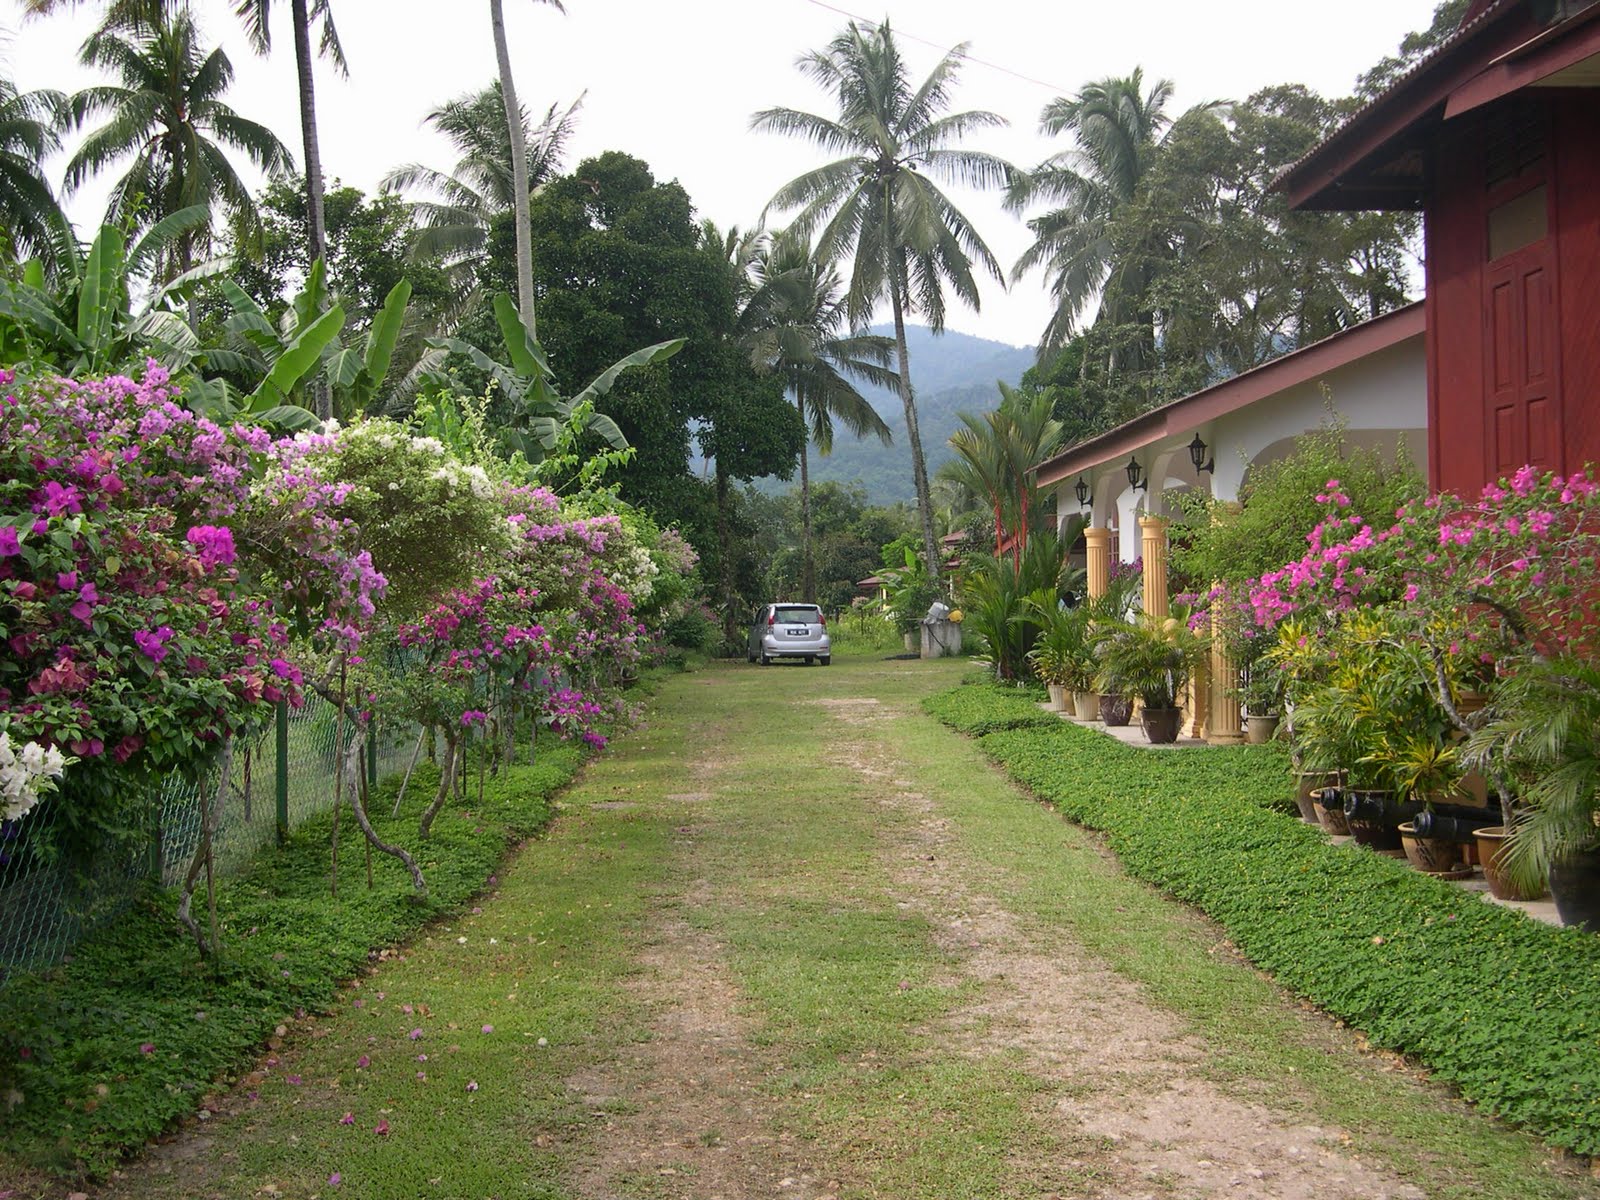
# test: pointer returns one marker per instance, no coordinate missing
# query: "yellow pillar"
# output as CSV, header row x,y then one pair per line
x,y
1153,536
1097,545
1198,703
1224,726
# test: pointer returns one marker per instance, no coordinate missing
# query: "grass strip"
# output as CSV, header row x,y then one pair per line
x,y
1504,1008
102,1053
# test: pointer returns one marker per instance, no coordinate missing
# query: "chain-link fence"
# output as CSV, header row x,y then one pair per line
x,y
277,782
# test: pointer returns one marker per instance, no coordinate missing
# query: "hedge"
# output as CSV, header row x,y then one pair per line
x,y
104,1052
1505,1008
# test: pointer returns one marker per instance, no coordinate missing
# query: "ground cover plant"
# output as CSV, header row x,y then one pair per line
x,y
1500,1006
104,1052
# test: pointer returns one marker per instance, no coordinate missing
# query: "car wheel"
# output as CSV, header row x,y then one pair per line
x,y
766,660
825,659
809,660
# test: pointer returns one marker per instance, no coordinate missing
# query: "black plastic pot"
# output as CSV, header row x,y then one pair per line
x,y
1575,887
1115,710
1374,817
1455,827
1161,724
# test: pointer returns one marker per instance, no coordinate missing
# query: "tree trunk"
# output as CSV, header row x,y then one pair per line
x,y
316,226
730,629
519,168
919,466
808,565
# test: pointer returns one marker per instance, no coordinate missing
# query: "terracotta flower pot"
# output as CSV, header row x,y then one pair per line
x,y
1434,855
1086,706
1330,811
1258,731
1491,841
1116,710
1307,782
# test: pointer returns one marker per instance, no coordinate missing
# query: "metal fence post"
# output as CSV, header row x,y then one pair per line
x,y
282,773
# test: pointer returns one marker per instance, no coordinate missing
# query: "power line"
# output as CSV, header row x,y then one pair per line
x,y
971,58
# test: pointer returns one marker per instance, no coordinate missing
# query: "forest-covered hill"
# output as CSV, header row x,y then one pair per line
x,y
951,373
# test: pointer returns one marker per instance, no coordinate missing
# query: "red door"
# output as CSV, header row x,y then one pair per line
x,y
1522,420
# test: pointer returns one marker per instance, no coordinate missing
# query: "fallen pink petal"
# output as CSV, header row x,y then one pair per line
x,y
472,1086
416,1035
335,1179
382,1127
348,1119
144,1048
488,1028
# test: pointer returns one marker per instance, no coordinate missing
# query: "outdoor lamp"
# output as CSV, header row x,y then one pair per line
x,y
1197,455
1081,490
1134,473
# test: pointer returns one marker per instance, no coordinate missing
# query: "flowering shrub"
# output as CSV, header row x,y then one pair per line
x,y
26,774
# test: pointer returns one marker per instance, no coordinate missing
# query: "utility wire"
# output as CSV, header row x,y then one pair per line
x,y
972,58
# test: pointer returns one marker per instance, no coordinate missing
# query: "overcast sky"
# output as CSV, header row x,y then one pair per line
x,y
674,82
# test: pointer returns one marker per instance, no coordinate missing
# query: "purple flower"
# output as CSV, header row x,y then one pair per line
x,y
474,717
363,1063
488,1028
416,1035
214,545
335,1179
472,1086
153,643
147,1048
59,500
348,1119
10,544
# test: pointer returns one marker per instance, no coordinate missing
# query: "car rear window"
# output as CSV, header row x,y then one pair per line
x,y
795,615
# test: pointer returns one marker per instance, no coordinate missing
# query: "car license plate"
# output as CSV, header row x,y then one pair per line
x,y
798,632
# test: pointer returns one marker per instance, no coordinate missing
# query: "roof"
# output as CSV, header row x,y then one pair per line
x,y
1377,160
1241,391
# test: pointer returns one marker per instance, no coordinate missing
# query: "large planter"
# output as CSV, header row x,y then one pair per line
x,y
1434,855
1086,706
1491,841
1058,696
1575,887
1258,731
1373,819
1115,710
1161,725
1330,811
1307,782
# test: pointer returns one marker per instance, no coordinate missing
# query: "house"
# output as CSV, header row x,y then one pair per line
x,y
1495,139
1372,375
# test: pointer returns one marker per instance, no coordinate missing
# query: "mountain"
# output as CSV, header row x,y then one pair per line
x,y
950,373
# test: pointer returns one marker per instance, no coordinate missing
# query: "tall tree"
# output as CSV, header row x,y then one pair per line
x,y
792,322
519,161
464,203
879,205
166,112
1117,128
31,223
994,454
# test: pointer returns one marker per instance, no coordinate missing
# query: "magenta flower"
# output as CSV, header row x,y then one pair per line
x,y
415,1035
488,1028
10,544
213,544
147,1048
363,1063
335,1179
382,1127
472,1086
348,1119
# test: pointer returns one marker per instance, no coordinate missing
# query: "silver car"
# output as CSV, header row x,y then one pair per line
x,y
789,631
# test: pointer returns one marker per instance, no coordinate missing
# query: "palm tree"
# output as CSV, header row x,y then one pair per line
x,y
880,205
519,162
792,322
30,218
256,16
166,112
455,226
994,454
1087,250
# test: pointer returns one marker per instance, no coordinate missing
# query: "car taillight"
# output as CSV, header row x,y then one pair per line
x,y
772,620
822,620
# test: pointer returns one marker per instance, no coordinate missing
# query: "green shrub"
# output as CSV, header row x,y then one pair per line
x,y
978,709
1503,1007
136,1013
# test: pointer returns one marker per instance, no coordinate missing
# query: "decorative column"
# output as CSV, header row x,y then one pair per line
x,y
1224,727
1153,544
1097,543
1198,703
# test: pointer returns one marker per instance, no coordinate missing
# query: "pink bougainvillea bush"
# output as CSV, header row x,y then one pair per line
x,y
166,581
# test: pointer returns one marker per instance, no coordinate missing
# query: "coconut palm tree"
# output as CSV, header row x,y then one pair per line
x,y
1087,250
455,225
256,15
166,112
792,321
519,162
880,206
31,224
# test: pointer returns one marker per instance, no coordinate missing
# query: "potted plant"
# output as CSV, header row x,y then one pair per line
x,y
1546,738
1262,693
1426,766
1151,658
1106,612
1061,656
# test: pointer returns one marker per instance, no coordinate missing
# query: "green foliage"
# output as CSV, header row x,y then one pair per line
x,y
1497,1005
290,945
1280,506
1148,657
998,595
980,708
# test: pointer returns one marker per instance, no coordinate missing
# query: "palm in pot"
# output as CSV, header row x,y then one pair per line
x,y
1151,658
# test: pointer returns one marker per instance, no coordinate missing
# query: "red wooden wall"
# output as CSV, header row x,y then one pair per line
x,y
1514,340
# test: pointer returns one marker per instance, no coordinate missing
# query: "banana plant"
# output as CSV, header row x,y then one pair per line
x,y
542,413
83,321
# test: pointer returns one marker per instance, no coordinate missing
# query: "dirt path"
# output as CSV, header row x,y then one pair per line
x,y
1134,1103
774,957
